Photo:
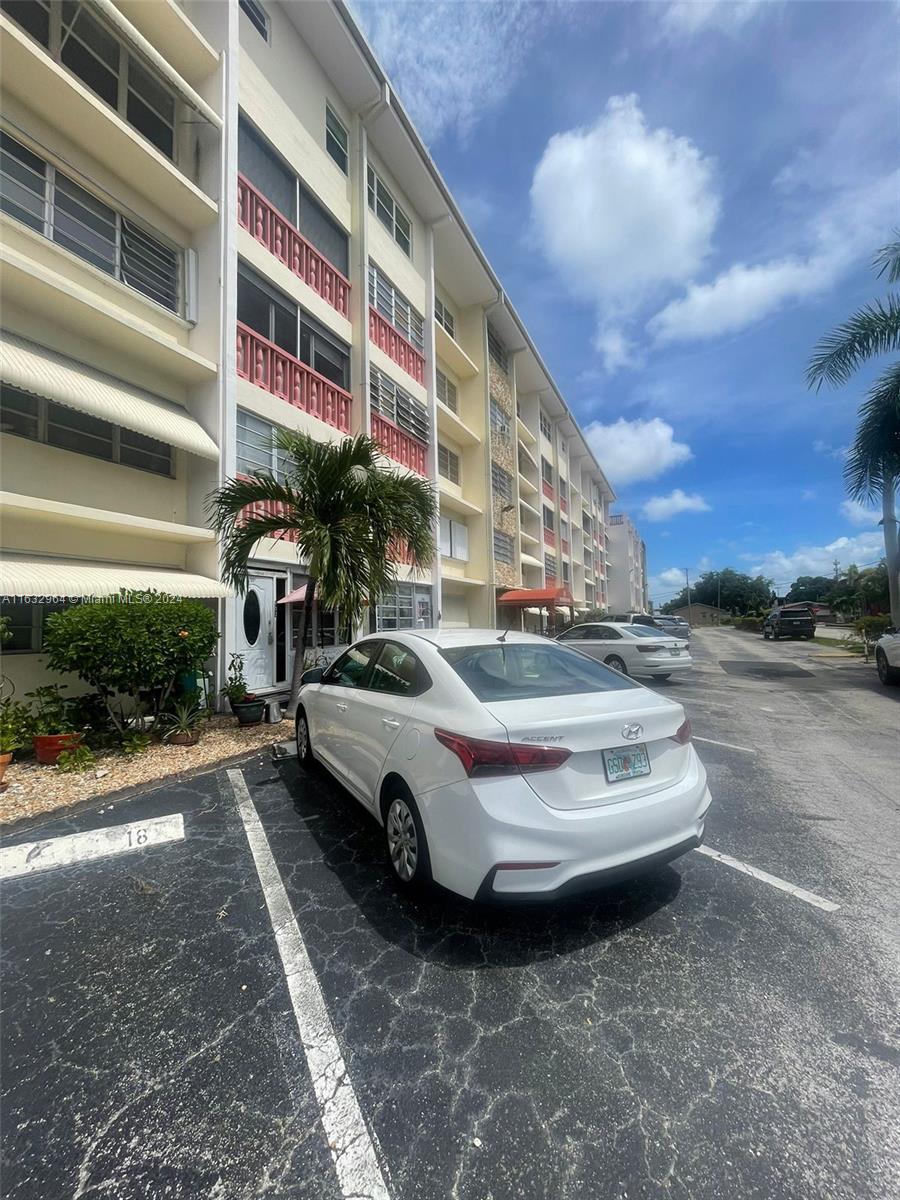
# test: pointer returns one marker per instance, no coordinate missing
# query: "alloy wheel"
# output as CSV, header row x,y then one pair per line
x,y
303,754
403,842
617,664
882,665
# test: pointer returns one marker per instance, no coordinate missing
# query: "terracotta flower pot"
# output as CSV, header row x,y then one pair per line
x,y
5,760
187,738
49,746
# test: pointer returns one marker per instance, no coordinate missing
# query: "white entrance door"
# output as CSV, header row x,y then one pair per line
x,y
256,632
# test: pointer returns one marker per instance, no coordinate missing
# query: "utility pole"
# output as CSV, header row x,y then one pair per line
x,y
718,596
687,580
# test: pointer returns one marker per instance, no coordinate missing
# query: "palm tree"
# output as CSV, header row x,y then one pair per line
x,y
872,468
346,511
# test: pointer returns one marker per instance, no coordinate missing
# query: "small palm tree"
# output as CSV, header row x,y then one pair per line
x,y
872,468
347,512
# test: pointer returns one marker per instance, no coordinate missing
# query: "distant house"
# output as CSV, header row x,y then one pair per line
x,y
702,614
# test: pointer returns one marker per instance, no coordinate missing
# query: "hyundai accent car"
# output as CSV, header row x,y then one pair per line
x,y
504,765
631,649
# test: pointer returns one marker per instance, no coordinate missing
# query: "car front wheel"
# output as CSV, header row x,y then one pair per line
x,y
886,673
767,633
407,845
304,745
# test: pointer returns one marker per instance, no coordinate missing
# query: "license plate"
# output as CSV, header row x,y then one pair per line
x,y
626,762
674,650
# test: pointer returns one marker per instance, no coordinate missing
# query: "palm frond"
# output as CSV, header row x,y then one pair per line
x,y
873,330
874,455
887,260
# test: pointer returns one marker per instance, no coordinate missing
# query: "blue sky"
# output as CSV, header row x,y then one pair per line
x,y
680,198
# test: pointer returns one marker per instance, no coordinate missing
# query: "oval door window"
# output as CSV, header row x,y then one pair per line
x,y
251,618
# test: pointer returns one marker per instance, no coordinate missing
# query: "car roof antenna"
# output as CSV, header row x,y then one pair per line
x,y
502,637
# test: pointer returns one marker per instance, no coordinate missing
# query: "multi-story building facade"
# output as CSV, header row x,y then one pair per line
x,y
218,222
628,582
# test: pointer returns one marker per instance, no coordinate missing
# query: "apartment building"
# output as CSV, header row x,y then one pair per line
x,y
627,567
218,222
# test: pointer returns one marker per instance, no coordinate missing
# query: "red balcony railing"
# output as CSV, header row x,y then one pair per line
x,y
549,538
281,238
406,450
548,489
276,371
268,508
395,346
564,545
563,504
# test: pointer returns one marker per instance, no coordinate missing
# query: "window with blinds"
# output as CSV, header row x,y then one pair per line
x,y
448,464
502,482
398,406
395,307
446,390
503,548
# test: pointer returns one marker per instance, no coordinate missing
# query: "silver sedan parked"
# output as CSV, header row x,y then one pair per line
x,y
631,649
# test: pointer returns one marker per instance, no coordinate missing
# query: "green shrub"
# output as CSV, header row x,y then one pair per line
x,y
75,761
134,744
872,627
15,725
132,650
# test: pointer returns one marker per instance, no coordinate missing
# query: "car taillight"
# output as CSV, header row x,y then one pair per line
x,y
650,649
683,734
481,757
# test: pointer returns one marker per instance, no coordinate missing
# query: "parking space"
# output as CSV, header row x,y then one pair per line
x,y
200,1017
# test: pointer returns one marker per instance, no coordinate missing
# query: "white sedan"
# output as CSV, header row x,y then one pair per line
x,y
504,765
631,649
887,656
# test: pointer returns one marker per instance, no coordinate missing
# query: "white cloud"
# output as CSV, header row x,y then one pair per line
x,y
828,450
666,584
616,349
623,210
687,17
633,450
452,59
859,514
660,508
861,549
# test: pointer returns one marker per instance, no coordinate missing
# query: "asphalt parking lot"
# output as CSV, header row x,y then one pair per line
x,y
241,1005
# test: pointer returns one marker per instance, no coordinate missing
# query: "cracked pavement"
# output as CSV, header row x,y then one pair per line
x,y
693,1034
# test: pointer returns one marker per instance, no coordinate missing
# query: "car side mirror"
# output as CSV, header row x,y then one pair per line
x,y
313,675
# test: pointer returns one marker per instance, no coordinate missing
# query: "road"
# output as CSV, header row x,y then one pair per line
x,y
697,1034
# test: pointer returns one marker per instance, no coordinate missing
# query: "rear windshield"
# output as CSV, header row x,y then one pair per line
x,y
644,631
531,672
797,612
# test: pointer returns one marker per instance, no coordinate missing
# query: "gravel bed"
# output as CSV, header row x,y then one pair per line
x,y
34,789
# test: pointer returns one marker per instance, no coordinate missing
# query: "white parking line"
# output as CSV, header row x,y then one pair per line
x,y
798,893
727,745
349,1140
29,857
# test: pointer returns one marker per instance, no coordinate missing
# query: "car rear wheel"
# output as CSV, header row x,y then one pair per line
x,y
886,673
304,745
662,678
407,845
617,664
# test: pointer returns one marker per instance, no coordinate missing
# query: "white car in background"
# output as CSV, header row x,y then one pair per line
x,y
504,765
631,649
887,657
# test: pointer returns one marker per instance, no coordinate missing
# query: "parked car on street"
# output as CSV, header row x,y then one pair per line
x,y
634,619
677,626
631,649
887,656
789,622
504,765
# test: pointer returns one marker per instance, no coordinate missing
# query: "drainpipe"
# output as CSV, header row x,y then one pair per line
x,y
431,396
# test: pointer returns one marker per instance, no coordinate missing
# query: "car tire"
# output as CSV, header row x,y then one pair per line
x,y
305,757
405,840
767,633
662,678
775,635
886,673
617,664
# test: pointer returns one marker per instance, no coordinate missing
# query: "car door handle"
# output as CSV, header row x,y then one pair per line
x,y
341,707
389,723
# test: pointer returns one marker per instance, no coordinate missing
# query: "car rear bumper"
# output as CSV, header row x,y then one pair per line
x,y
663,666
477,826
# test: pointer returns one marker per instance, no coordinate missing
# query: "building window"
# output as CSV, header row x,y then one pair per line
x,y
42,197
550,566
546,471
563,490
389,212
564,529
546,427
497,351
395,307
549,520
448,464
257,451
565,571
406,606
444,317
503,548
500,422
446,390
454,539
257,16
589,595
274,316
25,625
398,406
90,50
562,447
502,481
337,140
259,162
42,420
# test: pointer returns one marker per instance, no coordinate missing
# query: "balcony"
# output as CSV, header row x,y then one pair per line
x,y
448,349
564,545
550,538
547,489
269,508
274,370
267,226
563,504
403,449
395,346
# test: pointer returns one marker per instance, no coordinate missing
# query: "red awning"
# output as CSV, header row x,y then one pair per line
x,y
538,598
294,597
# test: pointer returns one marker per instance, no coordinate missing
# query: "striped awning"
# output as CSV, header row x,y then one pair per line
x,y
42,580
43,372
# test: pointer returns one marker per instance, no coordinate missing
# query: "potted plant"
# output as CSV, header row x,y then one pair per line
x,y
183,721
15,726
52,724
246,706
